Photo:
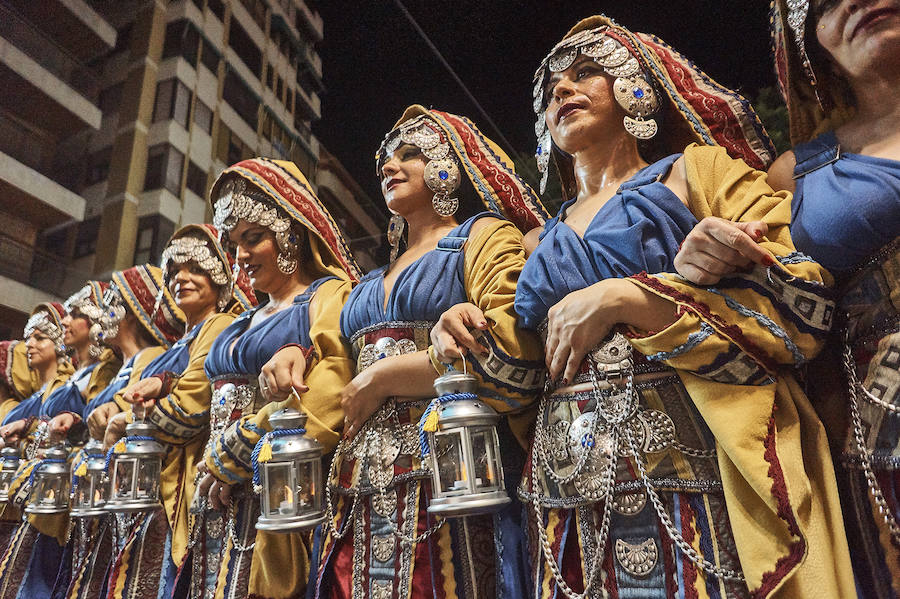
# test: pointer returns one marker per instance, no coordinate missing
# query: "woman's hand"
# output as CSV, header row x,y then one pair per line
x,y
60,425
12,432
451,336
99,417
143,391
363,396
582,319
282,373
717,247
115,429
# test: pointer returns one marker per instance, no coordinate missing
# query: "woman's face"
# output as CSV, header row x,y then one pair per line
x,y
581,107
40,350
403,180
193,290
858,34
256,254
76,330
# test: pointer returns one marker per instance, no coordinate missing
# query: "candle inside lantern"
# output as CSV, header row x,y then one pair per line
x,y
50,497
286,507
96,496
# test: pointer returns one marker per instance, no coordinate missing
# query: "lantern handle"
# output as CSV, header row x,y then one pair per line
x,y
462,358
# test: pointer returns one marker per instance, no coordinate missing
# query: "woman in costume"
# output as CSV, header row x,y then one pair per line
x,y
17,380
35,557
294,252
838,65
129,328
682,458
175,393
379,540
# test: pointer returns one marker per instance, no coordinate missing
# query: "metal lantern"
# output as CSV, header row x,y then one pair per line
x,y
291,479
50,484
90,485
134,478
467,474
9,457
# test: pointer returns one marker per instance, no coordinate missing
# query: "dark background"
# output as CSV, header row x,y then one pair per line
x,y
375,63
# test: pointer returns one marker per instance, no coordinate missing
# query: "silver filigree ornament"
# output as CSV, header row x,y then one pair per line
x,y
237,202
640,102
442,173
41,322
81,304
114,311
196,249
797,13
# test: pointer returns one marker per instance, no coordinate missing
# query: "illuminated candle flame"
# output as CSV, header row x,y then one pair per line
x,y
96,495
288,494
51,495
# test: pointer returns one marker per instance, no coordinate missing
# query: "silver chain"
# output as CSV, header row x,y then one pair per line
x,y
406,540
597,562
232,534
865,457
690,552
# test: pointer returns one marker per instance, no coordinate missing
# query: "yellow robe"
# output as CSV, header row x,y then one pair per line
x,y
773,454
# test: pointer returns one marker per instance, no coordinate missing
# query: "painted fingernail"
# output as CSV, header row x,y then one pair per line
x,y
565,381
482,324
768,261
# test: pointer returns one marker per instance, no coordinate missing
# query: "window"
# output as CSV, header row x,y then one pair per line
x,y
209,56
164,167
270,76
98,166
182,39
86,238
203,116
173,101
279,87
196,179
245,47
240,97
153,231
110,98
123,38
289,99
217,8
234,150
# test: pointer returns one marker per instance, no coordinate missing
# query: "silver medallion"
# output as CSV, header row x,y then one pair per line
x,y
613,351
385,504
637,559
629,68
383,547
614,58
559,440
406,346
629,504
660,430
562,60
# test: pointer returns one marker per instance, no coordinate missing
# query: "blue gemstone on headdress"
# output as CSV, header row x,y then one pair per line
x,y
540,150
443,175
638,93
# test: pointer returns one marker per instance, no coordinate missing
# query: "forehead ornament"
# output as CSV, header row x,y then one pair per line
x,y
633,91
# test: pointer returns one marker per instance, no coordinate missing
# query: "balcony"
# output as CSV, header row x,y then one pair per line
x,y
42,82
72,24
309,22
39,270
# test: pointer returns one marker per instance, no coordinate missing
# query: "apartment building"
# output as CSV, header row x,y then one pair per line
x,y
116,117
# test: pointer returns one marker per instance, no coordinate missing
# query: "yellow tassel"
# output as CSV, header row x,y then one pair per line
x,y
265,453
81,470
431,423
119,447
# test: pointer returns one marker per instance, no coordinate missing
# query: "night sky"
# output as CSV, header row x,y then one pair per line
x,y
375,63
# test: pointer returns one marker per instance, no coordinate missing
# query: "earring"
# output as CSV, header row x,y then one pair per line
x,y
395,231
637,97
442,177
286,263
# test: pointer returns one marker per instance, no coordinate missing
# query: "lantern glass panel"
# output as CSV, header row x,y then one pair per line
x,y
124,476
451,465
307,487
484,458
5,481
282,489
148,478
49,489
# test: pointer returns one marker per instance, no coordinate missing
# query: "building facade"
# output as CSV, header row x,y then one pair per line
x,y
136,109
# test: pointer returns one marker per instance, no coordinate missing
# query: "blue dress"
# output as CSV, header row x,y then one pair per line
x,y
487,556
638,230
846,216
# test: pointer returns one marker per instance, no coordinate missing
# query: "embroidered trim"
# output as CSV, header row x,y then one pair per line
x,y
693,340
